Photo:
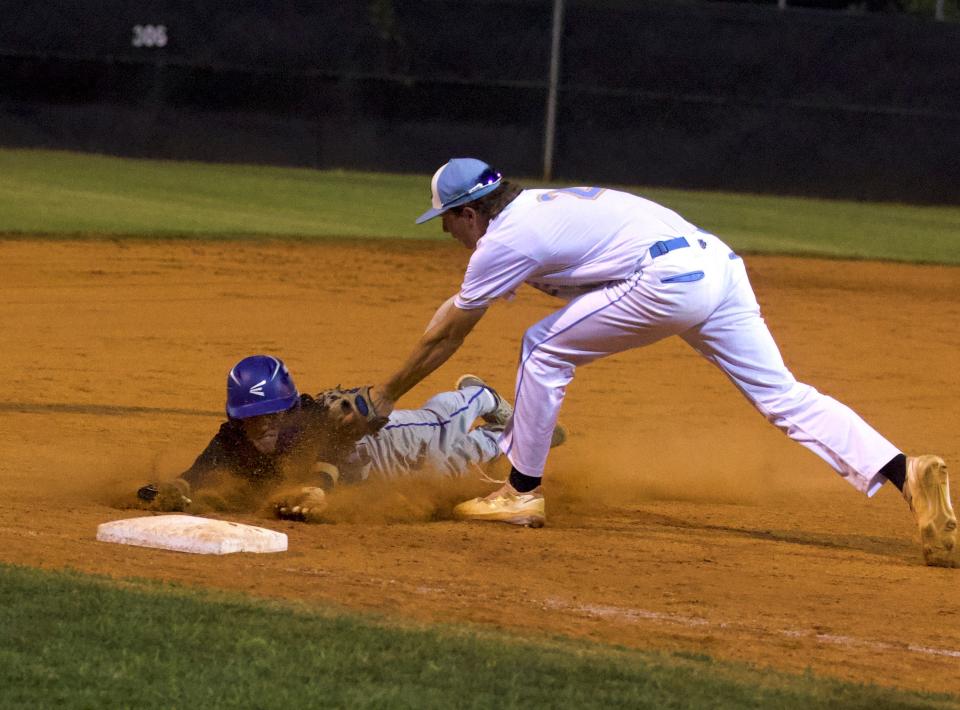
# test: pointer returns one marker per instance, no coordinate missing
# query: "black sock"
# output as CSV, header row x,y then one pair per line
x,y
895,471
522,482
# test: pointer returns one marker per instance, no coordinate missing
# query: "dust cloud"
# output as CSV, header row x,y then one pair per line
x,y
706,470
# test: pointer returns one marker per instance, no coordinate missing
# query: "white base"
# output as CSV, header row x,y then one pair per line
x,y
188,533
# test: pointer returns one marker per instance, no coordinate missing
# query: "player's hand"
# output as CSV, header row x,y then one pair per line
x,y
351,412
303,504
171,496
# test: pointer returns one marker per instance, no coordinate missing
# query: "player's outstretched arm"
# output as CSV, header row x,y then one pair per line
x,y
441,313
175,495
444,336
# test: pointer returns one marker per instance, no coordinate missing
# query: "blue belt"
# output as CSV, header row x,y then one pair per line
x,y
661,248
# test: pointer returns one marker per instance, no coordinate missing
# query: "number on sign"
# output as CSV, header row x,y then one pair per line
x,y
149,36
583,193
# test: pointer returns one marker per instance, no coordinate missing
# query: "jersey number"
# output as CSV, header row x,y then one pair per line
x,y
583,193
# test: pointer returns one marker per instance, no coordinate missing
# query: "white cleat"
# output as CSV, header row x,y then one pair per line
x,y
505,507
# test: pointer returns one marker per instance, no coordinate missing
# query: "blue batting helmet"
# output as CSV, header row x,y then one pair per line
x,y
259,384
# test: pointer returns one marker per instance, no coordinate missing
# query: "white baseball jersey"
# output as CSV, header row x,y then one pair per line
x,y
635,272
565,243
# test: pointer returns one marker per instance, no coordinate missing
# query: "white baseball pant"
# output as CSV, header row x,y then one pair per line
x,y
701,293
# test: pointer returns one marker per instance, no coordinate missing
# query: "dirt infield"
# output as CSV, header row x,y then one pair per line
x,y
678,518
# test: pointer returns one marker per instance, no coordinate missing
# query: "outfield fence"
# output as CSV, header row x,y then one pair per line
x,y
714,95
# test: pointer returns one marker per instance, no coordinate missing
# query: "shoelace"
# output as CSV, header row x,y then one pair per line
x,y
487,479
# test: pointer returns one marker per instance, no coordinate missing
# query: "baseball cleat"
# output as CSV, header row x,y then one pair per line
x,y
927,490
505,507
503,410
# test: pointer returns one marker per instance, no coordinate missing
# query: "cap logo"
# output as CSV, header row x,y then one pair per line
x,y
257,389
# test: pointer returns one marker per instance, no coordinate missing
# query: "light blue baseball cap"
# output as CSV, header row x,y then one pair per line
x,y
458,182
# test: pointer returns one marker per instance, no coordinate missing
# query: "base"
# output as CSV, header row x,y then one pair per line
x,y
188,533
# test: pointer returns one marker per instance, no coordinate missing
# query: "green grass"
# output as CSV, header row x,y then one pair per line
x,y
71,194
81,642
832,228
56,193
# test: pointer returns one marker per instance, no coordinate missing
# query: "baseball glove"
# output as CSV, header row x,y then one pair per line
x,y
351,412
168,497
303,504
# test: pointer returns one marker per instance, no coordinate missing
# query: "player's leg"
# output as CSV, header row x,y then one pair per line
x,y
502,409
437,438
736,339
637,312
459,409
460,449
662,299
484,444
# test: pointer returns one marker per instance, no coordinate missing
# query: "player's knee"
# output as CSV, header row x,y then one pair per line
x,y
540,343
531,338
546,360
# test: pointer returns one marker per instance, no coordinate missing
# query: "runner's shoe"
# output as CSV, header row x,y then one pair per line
x,y
503,410
927,490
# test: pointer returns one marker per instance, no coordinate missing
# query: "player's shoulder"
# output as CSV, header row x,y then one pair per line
x,y
226,443
573,194
560,203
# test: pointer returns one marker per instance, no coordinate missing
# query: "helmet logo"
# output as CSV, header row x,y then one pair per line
x,y
257,389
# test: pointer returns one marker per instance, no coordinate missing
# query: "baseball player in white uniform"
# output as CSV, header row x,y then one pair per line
x,y
632,272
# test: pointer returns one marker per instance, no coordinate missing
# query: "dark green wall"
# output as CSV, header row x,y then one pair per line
x,y
703,95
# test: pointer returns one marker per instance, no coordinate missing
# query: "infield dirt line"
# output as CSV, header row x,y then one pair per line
x,y
103,410
634,615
